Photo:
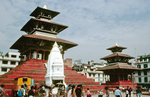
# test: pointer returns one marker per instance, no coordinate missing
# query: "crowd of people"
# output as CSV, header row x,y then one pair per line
x,y
118,93
77,91
45,91
62,91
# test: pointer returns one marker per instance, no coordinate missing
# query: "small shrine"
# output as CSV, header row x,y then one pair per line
x,y
55,67
118,71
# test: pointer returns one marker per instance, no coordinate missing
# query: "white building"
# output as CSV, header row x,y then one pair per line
x,y
90,70
9,61
142,77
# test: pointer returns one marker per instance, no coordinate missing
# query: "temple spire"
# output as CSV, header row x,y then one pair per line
x,y
45,6
117,44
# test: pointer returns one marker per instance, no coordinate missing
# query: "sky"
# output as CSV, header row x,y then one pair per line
x,y
94,25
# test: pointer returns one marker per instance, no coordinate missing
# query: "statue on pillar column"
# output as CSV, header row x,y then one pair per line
x,y
133,78
129,77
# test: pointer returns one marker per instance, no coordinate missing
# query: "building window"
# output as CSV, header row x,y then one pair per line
x,y
13,63
138,66
139,73
93,75
4,69
145,79
5,62
21,57
139,79
145,72
89,74
145,65
25,79
145,59
13,56
141,59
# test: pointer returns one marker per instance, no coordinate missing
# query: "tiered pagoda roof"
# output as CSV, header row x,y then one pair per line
x,y
117,54
40,42
117,60
41,34
41,25
119,66
43,12
116,48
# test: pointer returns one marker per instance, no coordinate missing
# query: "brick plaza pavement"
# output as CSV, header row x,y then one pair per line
x,y
123,95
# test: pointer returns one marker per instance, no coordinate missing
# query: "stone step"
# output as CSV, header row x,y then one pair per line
x,y
75,76
78,79
37,70
29,73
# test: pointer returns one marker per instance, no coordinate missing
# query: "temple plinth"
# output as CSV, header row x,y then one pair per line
x,y
118,71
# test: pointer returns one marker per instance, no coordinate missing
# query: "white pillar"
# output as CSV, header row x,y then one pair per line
x,y
34,55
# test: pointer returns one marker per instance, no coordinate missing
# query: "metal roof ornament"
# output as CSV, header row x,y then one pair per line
x,y
117,44
45,6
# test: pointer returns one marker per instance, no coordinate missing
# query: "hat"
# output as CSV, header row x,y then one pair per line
x,y
52,85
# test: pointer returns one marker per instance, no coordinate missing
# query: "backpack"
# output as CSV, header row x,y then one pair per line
x,y
20,94
88,95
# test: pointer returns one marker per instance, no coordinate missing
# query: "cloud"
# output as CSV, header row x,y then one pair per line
x,y
94,24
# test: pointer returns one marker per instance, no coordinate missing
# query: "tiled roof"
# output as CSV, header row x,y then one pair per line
x,y
31,24
116,46
47,12
32,39
49,38
118,66
117,54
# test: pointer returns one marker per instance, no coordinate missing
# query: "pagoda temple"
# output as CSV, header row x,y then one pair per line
x,y
41,35
35,47
118,71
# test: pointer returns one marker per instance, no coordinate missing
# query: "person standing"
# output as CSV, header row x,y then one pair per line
x,y
118,92
73,91
1,90
88,92
69,92
127,92
139,91
107,91
130,90
21,92
31,92
42,91
47,91
54,91
101,93
78,91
